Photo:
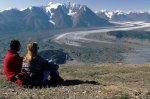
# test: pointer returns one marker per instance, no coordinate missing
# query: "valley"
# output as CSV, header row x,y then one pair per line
x,y
129,50
87,45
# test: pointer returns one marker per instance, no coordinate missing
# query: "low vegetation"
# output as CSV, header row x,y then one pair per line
x,y
142,35
104,81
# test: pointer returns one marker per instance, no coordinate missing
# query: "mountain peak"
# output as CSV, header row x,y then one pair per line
x,y
53,5
119,12
105,13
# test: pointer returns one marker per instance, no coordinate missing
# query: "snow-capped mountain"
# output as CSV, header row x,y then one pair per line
x,y
58,15
73,15
51,16
103,14
124,16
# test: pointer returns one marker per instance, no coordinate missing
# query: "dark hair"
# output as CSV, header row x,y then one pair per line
x,y
15,45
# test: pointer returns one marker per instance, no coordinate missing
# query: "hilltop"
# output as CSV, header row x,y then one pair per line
x,y
111,81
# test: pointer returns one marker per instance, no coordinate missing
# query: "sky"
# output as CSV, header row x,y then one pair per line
x,y
95,5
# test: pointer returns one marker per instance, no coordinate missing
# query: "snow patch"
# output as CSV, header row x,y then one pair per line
x,y
2,10
103,11
51,21
71,13
109,14
22,9
53,5
119,12
8,9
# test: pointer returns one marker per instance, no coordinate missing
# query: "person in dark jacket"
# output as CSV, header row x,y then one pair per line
x,y
13,62
38,68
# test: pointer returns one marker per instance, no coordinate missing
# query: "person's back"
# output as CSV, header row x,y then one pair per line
x,y
33,64
37,67
12,61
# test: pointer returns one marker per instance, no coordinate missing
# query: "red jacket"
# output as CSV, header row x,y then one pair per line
x,y
12,65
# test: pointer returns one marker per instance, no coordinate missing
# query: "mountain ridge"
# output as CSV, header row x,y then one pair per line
x,y
52,16
122,16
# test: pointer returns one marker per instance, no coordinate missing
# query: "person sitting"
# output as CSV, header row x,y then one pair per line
x,y
38,68
13,62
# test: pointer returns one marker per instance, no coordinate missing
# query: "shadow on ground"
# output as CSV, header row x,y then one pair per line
x,y
78,82
65,83
71,83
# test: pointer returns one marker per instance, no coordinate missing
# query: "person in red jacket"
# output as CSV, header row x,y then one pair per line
x,y
13,62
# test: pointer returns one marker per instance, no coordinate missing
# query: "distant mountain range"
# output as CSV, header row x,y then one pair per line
x,y
60,16
120,16
52,16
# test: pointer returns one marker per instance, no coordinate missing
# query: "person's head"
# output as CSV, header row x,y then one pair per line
x,y
15,45
32,51
33,48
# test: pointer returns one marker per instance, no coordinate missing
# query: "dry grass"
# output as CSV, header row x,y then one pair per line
x,y
116,81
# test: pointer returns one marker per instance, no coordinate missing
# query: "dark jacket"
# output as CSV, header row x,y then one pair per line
x,y
36,67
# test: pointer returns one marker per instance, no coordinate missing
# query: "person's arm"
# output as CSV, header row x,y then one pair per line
x,y
19,61
14,62
51,65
